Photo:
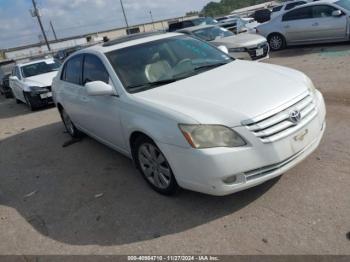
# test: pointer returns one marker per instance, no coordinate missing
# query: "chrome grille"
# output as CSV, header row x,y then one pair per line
x,y
279,124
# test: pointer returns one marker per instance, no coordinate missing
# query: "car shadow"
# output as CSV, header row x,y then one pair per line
x,y
87,194
326,49
9,108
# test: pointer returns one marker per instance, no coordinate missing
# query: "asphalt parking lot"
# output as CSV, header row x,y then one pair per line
x,y
88,199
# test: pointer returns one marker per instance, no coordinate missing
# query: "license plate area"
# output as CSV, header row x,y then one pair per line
x,y
259,52
46,95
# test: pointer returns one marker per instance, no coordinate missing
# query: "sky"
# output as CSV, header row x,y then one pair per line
x,y
74,17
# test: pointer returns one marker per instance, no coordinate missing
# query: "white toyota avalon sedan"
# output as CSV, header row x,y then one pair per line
x,y
188,114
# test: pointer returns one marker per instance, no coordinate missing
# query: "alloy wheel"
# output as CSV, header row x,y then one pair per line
x,y
276,42
67,122
154,166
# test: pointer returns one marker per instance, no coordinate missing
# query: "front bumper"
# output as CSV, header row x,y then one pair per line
x,y
206,170
251,53
40,99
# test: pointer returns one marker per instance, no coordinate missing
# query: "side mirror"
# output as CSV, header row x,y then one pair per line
x,y
223,49
99,88
337,13
13,78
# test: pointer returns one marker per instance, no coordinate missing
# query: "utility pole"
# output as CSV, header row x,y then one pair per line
x,y
126,20
150,12
53,31
36,14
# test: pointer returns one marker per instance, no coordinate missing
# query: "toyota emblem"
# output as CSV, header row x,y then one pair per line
x,y
295,116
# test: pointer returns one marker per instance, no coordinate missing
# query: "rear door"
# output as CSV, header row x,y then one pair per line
x,y
298,25
328,27
71,78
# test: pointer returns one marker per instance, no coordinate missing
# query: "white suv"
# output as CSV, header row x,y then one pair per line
x,y
188,114
31,82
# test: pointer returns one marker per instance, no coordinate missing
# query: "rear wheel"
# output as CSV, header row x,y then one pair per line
x,y
70,127
276,42
154,167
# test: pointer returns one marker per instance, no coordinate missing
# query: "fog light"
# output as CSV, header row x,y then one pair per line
x,y
230,180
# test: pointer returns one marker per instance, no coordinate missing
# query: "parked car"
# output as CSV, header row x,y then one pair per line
x,y
242,46
280,9
188,114
31,82
317,22
5,87
63,54
5,70
262,16
192,22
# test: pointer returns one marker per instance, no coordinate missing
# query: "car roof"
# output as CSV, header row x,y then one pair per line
x,y
195,28
35,61
127,41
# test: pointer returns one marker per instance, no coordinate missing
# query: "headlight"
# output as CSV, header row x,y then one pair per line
x,y
239,49
310,86
38,89
209,136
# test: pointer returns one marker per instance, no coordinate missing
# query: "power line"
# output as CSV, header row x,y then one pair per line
x,y
126,20
53,31
36,14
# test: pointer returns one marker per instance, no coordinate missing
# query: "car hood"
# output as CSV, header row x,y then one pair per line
x,y
240,40
229,94
41,80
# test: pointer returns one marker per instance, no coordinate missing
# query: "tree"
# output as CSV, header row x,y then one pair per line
x,y
227,6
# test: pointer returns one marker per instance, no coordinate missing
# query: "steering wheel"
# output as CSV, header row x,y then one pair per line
x,y
185,65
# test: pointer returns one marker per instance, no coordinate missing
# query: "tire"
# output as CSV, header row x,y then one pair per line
x,y
276,42
28,102
68,124
154,166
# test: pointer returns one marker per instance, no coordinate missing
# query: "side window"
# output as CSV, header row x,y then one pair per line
x,y
94,70
298,14
320,11
17,73
292,5
73,70
187,24
277,8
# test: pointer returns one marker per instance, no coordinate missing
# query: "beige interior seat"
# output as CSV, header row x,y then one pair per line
x,y
159,70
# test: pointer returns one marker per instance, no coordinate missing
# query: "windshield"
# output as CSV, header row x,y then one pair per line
x,y
40,68
204,21
212,33
149,65
344,3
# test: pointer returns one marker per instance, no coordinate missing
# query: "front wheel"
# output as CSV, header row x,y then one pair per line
x,y
277,42
154,167
70,127
29,102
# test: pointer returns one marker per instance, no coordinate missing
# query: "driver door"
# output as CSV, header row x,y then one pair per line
x,y
101,114
326,26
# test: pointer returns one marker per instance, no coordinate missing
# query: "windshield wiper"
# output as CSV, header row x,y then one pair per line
x,y
150,85
211,66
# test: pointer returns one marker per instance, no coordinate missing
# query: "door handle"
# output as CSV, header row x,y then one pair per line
x,y
315,24
84,99
287,26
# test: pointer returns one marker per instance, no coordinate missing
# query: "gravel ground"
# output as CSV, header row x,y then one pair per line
x,y
88,199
